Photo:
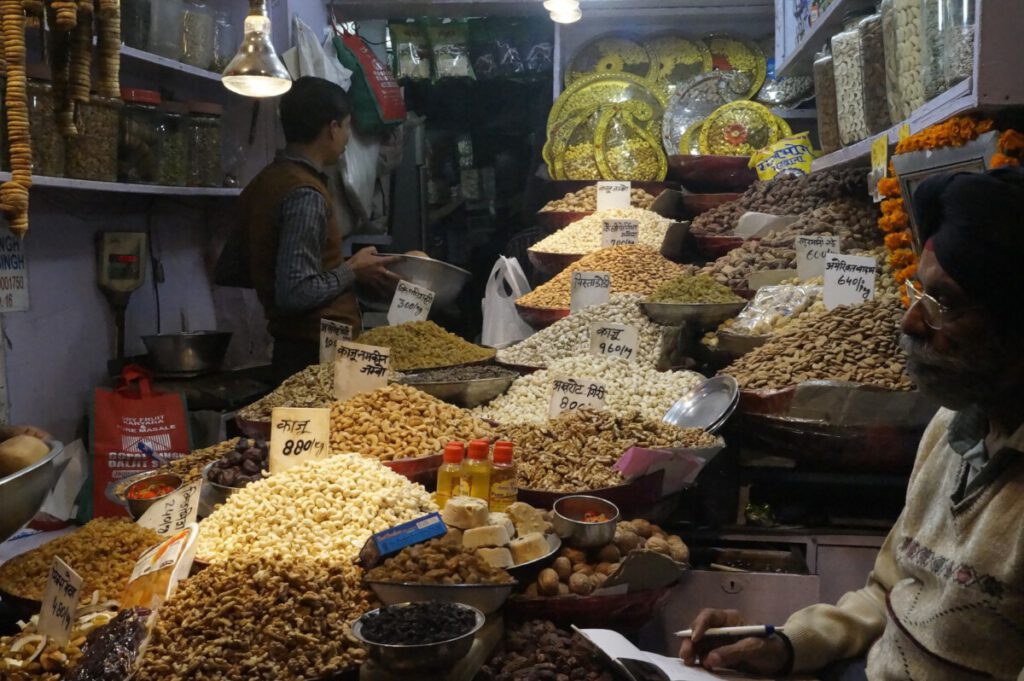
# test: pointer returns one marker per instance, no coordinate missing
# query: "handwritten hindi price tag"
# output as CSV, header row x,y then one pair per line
x,y
620,232
359,369
608,339
811,252
611,195
589,288
297,435
849,280
330,333
174,512
904,132
60,600
570,394
410,304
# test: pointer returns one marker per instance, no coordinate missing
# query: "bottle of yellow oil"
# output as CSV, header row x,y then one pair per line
x,y
504,489
476,471
449,475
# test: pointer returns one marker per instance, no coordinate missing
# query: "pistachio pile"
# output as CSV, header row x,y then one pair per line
x,y
311,388
851,343
585,235
698,289
424,345
585,201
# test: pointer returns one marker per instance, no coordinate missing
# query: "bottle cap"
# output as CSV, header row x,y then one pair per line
x,y
502,452
453,452
478,450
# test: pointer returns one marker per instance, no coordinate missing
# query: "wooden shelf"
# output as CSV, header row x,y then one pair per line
x,y
164,62
124,188
798,63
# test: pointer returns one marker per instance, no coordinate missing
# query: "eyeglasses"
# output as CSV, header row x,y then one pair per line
x,y
935,313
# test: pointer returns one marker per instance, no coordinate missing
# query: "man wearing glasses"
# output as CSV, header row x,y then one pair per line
x,y
946,597
289,245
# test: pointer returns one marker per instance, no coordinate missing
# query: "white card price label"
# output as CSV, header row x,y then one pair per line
x,y
849,280
608,339
330,333
359,369
611,195
174,512
298,435
410,304
589,288
570,394
620,232
811,252
60,601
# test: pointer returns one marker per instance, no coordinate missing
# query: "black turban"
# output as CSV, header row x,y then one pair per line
x,y
975,222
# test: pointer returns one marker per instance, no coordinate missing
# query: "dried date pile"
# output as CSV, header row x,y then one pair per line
x,y
540,651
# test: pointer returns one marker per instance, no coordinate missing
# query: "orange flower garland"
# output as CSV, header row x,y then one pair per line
x,y
956,132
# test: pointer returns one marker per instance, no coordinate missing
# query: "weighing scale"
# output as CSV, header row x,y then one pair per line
x,y
121,269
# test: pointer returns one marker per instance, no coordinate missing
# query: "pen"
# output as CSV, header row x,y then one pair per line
x,y
752,630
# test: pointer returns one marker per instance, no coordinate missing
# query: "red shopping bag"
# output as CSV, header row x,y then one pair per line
x,y
376,95
132,429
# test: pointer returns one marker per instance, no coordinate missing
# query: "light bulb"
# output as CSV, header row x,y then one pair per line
x,y
567,17
256,70
561,6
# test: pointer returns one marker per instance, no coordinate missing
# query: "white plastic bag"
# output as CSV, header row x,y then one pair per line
x,y
358,170
308,58
502,324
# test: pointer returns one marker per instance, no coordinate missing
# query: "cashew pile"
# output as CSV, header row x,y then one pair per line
x,y
584,236
576,451
279,616
630,387
857,344
319,509
585,201
399,422
571,336
633,269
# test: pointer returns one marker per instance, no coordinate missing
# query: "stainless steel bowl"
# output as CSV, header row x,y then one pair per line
x,y
420,658
705,316
22,493
467,394
188,352
446,281
218,494
136,507
486,598
568,520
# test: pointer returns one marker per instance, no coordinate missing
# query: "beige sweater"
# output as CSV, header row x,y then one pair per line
x,y
946,597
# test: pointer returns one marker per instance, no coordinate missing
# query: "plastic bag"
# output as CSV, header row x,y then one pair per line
x,y
789,156
502,324
412,51
377,101
449,43
774,307
308,58
358,172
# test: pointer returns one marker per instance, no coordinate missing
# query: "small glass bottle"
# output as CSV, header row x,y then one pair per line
x,y
475,480
449,475
504,489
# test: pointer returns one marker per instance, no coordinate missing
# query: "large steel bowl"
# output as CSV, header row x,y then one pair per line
x,y
188,352
712,174
22,493
446,281
486,598
420,658
468,394
704,316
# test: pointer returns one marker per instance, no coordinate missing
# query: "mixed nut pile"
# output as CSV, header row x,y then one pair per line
x,y
585,201
439,561
585,235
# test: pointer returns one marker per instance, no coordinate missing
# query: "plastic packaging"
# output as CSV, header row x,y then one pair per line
x,y
783,92
475,474
449,43
197,35
165,28
933,21
92,155
140,138
173,161
847,62
449,475
47,143
958,39
774,307
205,143
135,18
825,95
504,489
876,103
411,50
789,156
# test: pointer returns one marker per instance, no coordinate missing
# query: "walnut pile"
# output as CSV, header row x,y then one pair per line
x,y
539,650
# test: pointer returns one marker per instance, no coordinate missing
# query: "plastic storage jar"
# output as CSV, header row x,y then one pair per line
x,y
140,138
197,35
205,141
135,18
958,38
173,161
872,48
165,28
92,155
903,40
224,42
47,143
848,65
933,22
825,96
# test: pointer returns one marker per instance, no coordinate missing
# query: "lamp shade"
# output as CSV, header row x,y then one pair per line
x,y
256,70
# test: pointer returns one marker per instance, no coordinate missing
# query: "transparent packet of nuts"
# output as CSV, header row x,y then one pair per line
x,y
771,302
159,569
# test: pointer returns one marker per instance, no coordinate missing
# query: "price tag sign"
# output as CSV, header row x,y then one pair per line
x,y
60,600
330,333
904,132
811,252
174,512
570,394
297,435
611,195
13,273
359,369
620,232
608,339
410,304
849,280
880,154
589,288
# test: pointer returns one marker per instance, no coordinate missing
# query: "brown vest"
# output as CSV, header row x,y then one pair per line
x,y
260,206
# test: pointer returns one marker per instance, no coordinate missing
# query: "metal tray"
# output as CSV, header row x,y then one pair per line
x,y
703,316
708,406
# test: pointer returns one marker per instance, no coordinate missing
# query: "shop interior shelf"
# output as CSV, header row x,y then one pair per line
x,y
830,22
124,188
172,64
361,9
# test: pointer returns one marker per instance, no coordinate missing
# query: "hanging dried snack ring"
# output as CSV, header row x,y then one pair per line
x,y
81,54
109,42
65,14
14,193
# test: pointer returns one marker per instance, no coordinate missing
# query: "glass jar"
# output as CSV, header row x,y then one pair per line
x,y
138,148
205,141
958,39
135,18
847,63
92,154
173,161
165,28
47,142
224,42
933,22
825,98
197,35
872,48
